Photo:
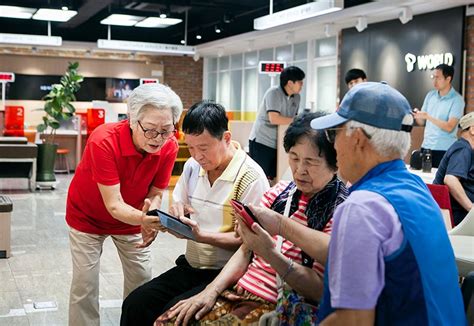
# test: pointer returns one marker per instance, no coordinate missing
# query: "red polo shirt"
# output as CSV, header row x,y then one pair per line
x,y
110,158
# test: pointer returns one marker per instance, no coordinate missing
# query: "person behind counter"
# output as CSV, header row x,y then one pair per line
x,y
279,106
440,113
125,168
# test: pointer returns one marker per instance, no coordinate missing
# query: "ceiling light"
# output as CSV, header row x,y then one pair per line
x,y
121,20
155,22
30,39
294,14
198,36
183,42
54,15
217,28
64,8
16,12
132,46
163,15
361,23
405,15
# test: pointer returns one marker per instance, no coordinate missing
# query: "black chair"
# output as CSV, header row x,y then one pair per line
x,y
415,159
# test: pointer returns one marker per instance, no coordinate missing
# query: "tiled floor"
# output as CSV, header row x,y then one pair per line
x,y
39,271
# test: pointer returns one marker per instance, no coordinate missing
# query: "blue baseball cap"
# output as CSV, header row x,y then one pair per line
x,y
372,103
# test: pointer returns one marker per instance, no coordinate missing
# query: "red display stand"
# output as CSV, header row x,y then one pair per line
x,y
95,117
14,121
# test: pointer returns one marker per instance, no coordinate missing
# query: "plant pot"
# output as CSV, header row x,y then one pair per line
x,y
46,160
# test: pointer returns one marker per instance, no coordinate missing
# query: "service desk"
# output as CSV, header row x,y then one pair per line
x,y
427,177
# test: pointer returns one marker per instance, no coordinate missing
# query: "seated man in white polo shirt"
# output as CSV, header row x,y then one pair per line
x,y
218,171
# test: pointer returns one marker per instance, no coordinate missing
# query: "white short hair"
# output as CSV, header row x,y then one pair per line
x,y
386,142
157,96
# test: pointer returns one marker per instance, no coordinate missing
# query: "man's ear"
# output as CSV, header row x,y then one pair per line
x,y
360,139
227,136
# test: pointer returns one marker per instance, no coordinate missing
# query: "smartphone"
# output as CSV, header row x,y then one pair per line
x,y
173,223
245,212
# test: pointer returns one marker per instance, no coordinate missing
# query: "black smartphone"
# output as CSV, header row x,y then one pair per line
x,y
173,223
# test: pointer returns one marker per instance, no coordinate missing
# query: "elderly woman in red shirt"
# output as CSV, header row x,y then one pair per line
x,y
125,168
249,284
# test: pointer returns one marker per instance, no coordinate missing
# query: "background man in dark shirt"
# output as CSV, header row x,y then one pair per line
x,y
456,169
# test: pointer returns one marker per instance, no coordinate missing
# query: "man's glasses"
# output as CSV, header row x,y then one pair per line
x,y
152,133
331,133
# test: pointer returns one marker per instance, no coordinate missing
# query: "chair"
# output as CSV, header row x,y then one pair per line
x,y
440,194
462,241
62,164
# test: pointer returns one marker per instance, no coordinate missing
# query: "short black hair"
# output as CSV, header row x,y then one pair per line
x,y
292,73
206,115
301,127
354,73
448,71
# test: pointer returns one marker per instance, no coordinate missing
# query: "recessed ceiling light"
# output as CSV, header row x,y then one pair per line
x,y
16,12
121,20
155,22
198,36
183,42
54,15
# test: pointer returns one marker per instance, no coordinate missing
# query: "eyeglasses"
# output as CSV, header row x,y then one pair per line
x,y
331,133
152,133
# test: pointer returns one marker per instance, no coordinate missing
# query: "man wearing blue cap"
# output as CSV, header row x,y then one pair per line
x,y
390,261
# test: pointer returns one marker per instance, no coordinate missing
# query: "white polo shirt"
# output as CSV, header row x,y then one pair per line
x,y
212,206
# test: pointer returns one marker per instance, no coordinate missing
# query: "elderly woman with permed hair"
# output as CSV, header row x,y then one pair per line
x,y
125,168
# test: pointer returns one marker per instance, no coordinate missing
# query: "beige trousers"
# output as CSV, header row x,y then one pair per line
x,y
85,251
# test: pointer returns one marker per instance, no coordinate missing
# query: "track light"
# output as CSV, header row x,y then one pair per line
x,y
198,36
228,18
165,12
361,24
290,37
183,42
328,30
405,15
250,45
217,28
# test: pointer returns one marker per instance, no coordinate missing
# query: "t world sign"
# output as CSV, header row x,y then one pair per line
x,y
427,61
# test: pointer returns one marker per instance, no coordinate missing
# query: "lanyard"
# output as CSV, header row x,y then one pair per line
x,y
279,244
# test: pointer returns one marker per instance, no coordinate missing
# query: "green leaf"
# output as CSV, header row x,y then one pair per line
x,y
41,127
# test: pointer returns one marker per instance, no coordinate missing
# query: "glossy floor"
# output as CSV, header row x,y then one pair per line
x,y
35,280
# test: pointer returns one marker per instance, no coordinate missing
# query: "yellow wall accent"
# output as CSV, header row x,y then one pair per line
x,y
242,116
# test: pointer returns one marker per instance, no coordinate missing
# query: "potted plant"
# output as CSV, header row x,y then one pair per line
x,y
57,108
